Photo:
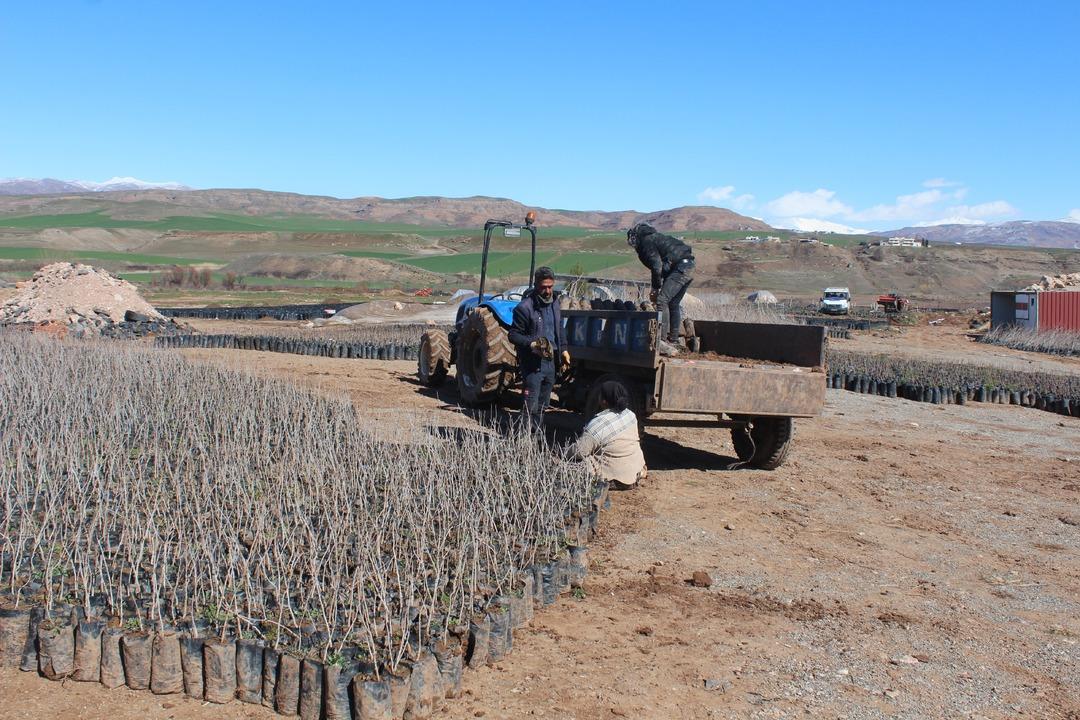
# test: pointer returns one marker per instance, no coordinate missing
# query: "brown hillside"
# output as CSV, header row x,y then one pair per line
x,y
469,212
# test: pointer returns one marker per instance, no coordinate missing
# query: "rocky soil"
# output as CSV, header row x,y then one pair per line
x,y
83,300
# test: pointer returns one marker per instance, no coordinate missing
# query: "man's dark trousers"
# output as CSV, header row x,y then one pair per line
x,y
670,297
538,383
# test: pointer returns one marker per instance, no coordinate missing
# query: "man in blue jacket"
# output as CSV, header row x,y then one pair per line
x,y
537,334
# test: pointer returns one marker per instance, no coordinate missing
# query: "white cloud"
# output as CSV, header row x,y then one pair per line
x,y
906,206
1073,216
940,183
716,194
743,202
798,204
726,194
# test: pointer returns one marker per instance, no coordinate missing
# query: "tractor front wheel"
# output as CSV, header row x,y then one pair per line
x,y
486,361
433,363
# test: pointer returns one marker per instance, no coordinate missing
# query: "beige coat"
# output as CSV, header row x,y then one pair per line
x,y
610,444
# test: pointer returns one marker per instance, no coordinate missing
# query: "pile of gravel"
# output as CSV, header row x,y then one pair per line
x,y
84,301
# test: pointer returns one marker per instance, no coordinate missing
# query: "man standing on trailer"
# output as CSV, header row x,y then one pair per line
x,y
671,262
538,336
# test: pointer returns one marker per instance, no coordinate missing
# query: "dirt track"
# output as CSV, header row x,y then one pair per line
x,y
910,561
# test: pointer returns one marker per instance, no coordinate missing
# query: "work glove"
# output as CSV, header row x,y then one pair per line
x,y
541,347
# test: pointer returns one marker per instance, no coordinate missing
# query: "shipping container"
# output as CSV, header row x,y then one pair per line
x,y
1042,310
1059,310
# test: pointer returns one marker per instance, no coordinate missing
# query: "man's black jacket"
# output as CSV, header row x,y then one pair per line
x,y
659,253
527,328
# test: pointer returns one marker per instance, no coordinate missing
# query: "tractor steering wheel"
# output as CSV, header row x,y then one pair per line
x,y
513,296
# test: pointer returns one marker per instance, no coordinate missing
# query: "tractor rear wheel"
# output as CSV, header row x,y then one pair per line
x,y
486,360
433,363
765,444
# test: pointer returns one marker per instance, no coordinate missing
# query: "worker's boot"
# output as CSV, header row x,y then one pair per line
x,y
668,349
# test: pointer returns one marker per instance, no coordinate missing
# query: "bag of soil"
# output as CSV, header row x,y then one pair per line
x,y
269,678
112,662
399,681
336,679
476,654
425,689
249,671
549,582
166,665
14,633
311,689
501,639
579,566
56,648
371,698
136,649
191,662
29,660
219,670
88,650
449,654
287,688
521,602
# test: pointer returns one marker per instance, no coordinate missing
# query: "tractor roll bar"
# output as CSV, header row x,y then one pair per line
x,y
491,225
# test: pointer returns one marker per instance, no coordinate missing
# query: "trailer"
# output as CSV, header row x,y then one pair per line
x,y
753,379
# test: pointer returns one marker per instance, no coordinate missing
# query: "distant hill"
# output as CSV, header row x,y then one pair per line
x,y
50,186
1043,233
468,212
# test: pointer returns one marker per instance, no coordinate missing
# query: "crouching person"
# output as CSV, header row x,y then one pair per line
x,y
610,442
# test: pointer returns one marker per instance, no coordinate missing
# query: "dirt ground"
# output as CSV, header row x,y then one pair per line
x,y
909,561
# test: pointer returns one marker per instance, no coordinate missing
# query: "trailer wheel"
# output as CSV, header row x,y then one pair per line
x,y
486,360
433,362
767,442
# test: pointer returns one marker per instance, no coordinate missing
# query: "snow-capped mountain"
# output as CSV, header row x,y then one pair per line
x,y
50,186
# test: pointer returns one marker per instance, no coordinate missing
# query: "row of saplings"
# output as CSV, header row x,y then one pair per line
x,y
943,395
296,346
212,666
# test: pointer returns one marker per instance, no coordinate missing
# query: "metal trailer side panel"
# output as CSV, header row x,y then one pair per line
x,y
1059,310
723,387
772,342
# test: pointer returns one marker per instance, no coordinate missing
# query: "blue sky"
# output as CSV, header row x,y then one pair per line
x,y
852,114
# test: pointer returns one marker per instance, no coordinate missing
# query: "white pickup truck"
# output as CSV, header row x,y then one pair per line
x,y
835,301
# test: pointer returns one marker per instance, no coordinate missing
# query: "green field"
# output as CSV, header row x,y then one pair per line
x,y
501,264
32,253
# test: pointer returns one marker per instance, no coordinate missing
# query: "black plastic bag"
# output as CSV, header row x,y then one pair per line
x,y
191,662
249,670
112,661
372,700
166,665
56,648
88,651
219,670
287,688
136,649
269,678
311,689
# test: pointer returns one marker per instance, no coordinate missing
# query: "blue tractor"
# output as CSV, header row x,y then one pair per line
x,y
479,344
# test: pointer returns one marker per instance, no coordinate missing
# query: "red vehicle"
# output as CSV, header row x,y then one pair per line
x,y
892,302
